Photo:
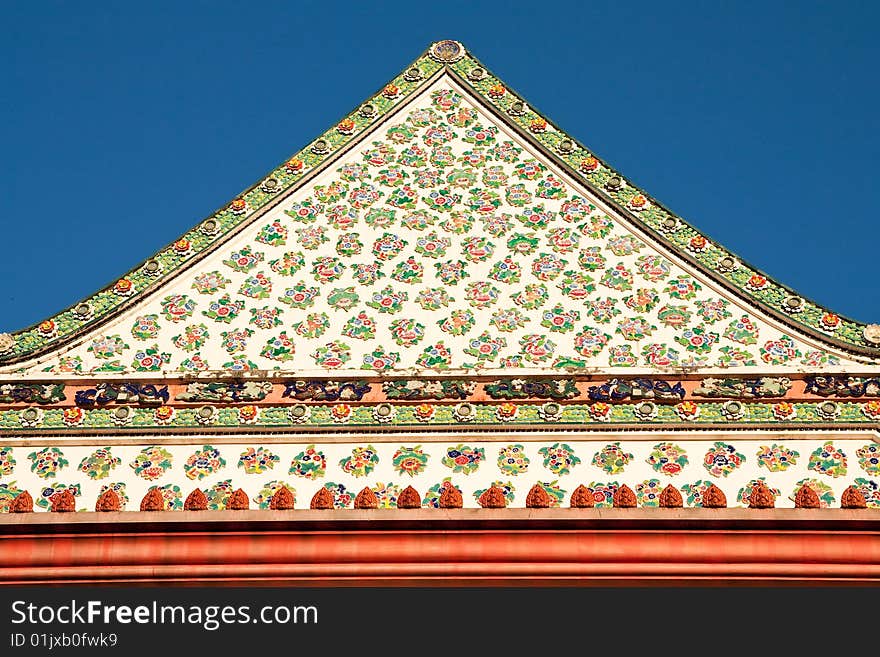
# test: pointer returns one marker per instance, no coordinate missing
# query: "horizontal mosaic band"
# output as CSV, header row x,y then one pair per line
x,y
663,225
146,393
333,496
387,415
263,505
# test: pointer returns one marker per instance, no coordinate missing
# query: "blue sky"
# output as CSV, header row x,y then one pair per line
x,y
124,124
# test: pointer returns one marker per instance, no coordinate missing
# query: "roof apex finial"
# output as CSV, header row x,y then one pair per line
x,y
446,51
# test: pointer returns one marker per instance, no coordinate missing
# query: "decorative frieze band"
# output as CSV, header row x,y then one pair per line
x,y
88,395
439,414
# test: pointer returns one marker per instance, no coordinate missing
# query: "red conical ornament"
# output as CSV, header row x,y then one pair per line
x,y
538,498
624,498
23,503
196,501
493,498
238,501
282,500
366,499
64,502
670,498
107,501
451,498
323,499
582,498
153,501
409,498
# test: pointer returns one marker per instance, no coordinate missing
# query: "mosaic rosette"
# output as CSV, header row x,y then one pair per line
x,y
203,462
332,355
218,494
257,460
668,458
362,461
310,463
603,493
47,462
210,282
386,494
512,460
99,463
869,458
828,460
342,497
722,459
559,458
612,459
152,462
171,496
193,337
648,492
463,458
780,351
409,460
777,458
145,327
150,359
7,461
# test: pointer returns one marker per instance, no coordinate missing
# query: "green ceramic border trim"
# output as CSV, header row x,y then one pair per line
x,y
753,414
849,333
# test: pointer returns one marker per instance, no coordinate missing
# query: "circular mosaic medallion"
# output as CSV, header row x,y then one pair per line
x,y
793,305
566,146
210,227
872,333
614,183
413,74
447,51
726,264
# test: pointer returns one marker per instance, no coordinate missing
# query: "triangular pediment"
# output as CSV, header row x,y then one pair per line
x,y
443,227
444,290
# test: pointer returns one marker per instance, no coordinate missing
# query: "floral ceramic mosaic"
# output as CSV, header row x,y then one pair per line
x,y
440,242
440,239
491,91
389,467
